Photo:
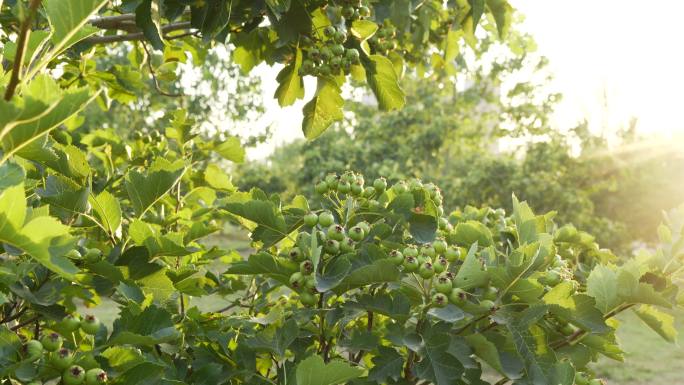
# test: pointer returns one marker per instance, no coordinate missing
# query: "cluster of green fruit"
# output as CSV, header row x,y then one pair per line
x,y
330,57
154,136
383,40
59,360
340,11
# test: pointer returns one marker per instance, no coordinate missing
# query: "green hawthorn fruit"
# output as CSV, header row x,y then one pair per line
x,y
356,233
73,254
443,223
335,65
296,254
581,379
297,280
440,246
368,192
329,30
490,293
340,36
347,245
426,270
309,282
332,246
75,375
364,11
380,184
365,226
336,232
96,376
90,325
337,49
551,278
33,350
428,250
396,257
348,12
441,265
400,188
70,323
331,179
357,189
443,284
324,70
306,267
62,358
411,251
308,299
311,219
458,296
344,187
314,54
410,264
452,254
325,219
92,255
488,305
439,300
321,187
51,342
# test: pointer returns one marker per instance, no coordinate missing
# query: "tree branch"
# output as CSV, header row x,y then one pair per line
x,y
22,42
181,25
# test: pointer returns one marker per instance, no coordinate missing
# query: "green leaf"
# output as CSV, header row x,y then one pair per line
x,y
384,82
108,211
10,346
449,313
148,19
10,175
157,244
363,29
470,232
323,110
275,339
378,272
477,9
580,308
313,371
503,15
153,326
486,350
216,178
145,189
438,365
471,273
264,263
267,223
231,149
395,305
68,21
602,284
387,364
64,193
291,85
332,274
661,323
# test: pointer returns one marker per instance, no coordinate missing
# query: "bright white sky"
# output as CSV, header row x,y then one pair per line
x,y
613,60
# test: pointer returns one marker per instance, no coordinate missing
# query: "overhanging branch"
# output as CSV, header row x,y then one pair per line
x,y
183,25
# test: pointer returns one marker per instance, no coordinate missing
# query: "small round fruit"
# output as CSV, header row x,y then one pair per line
x,y
426,270
452,254
440,246
75,375
92,255
308,299
410,264
73,254
400,188
336,232
70,323
340,37
490,293
332,246
337,49
356,233
306,267
368,192
309,282
439,300
364,11
34,350
311,219
552,278
348,12
62,358
90,325
428,250
581,379
52,342
96,376
488,305
296,254
396,257
356,189
441,265
411,251
344,187
380,184
321,187
365,226
347,245
443,223
326,219
443,284
297,280
458,296
329,30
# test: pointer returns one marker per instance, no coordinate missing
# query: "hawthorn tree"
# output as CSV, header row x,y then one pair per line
x,y
334,293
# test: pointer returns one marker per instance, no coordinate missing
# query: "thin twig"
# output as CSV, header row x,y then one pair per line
x,y
22,42
27,322
139,35
154,75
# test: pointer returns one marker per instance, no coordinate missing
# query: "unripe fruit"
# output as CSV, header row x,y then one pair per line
x,y
348,12
364,11
426,270
552,278
296,254
458,296
428,250
452,254
297,280
321,187
306,267
396,257
90,325
62,358
410,264
356,233
96,376
309,282
75,375
92,255
329,30
337,49
368,192
490,293
340,37
488,305
443,285
581,379
365,226
441,265
380,184
344,187
73,254
34,350
411,251
311,219
52,342
308,299
439,300
440,246
347,245
332,246
70,323
356,188
326,219
336,232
